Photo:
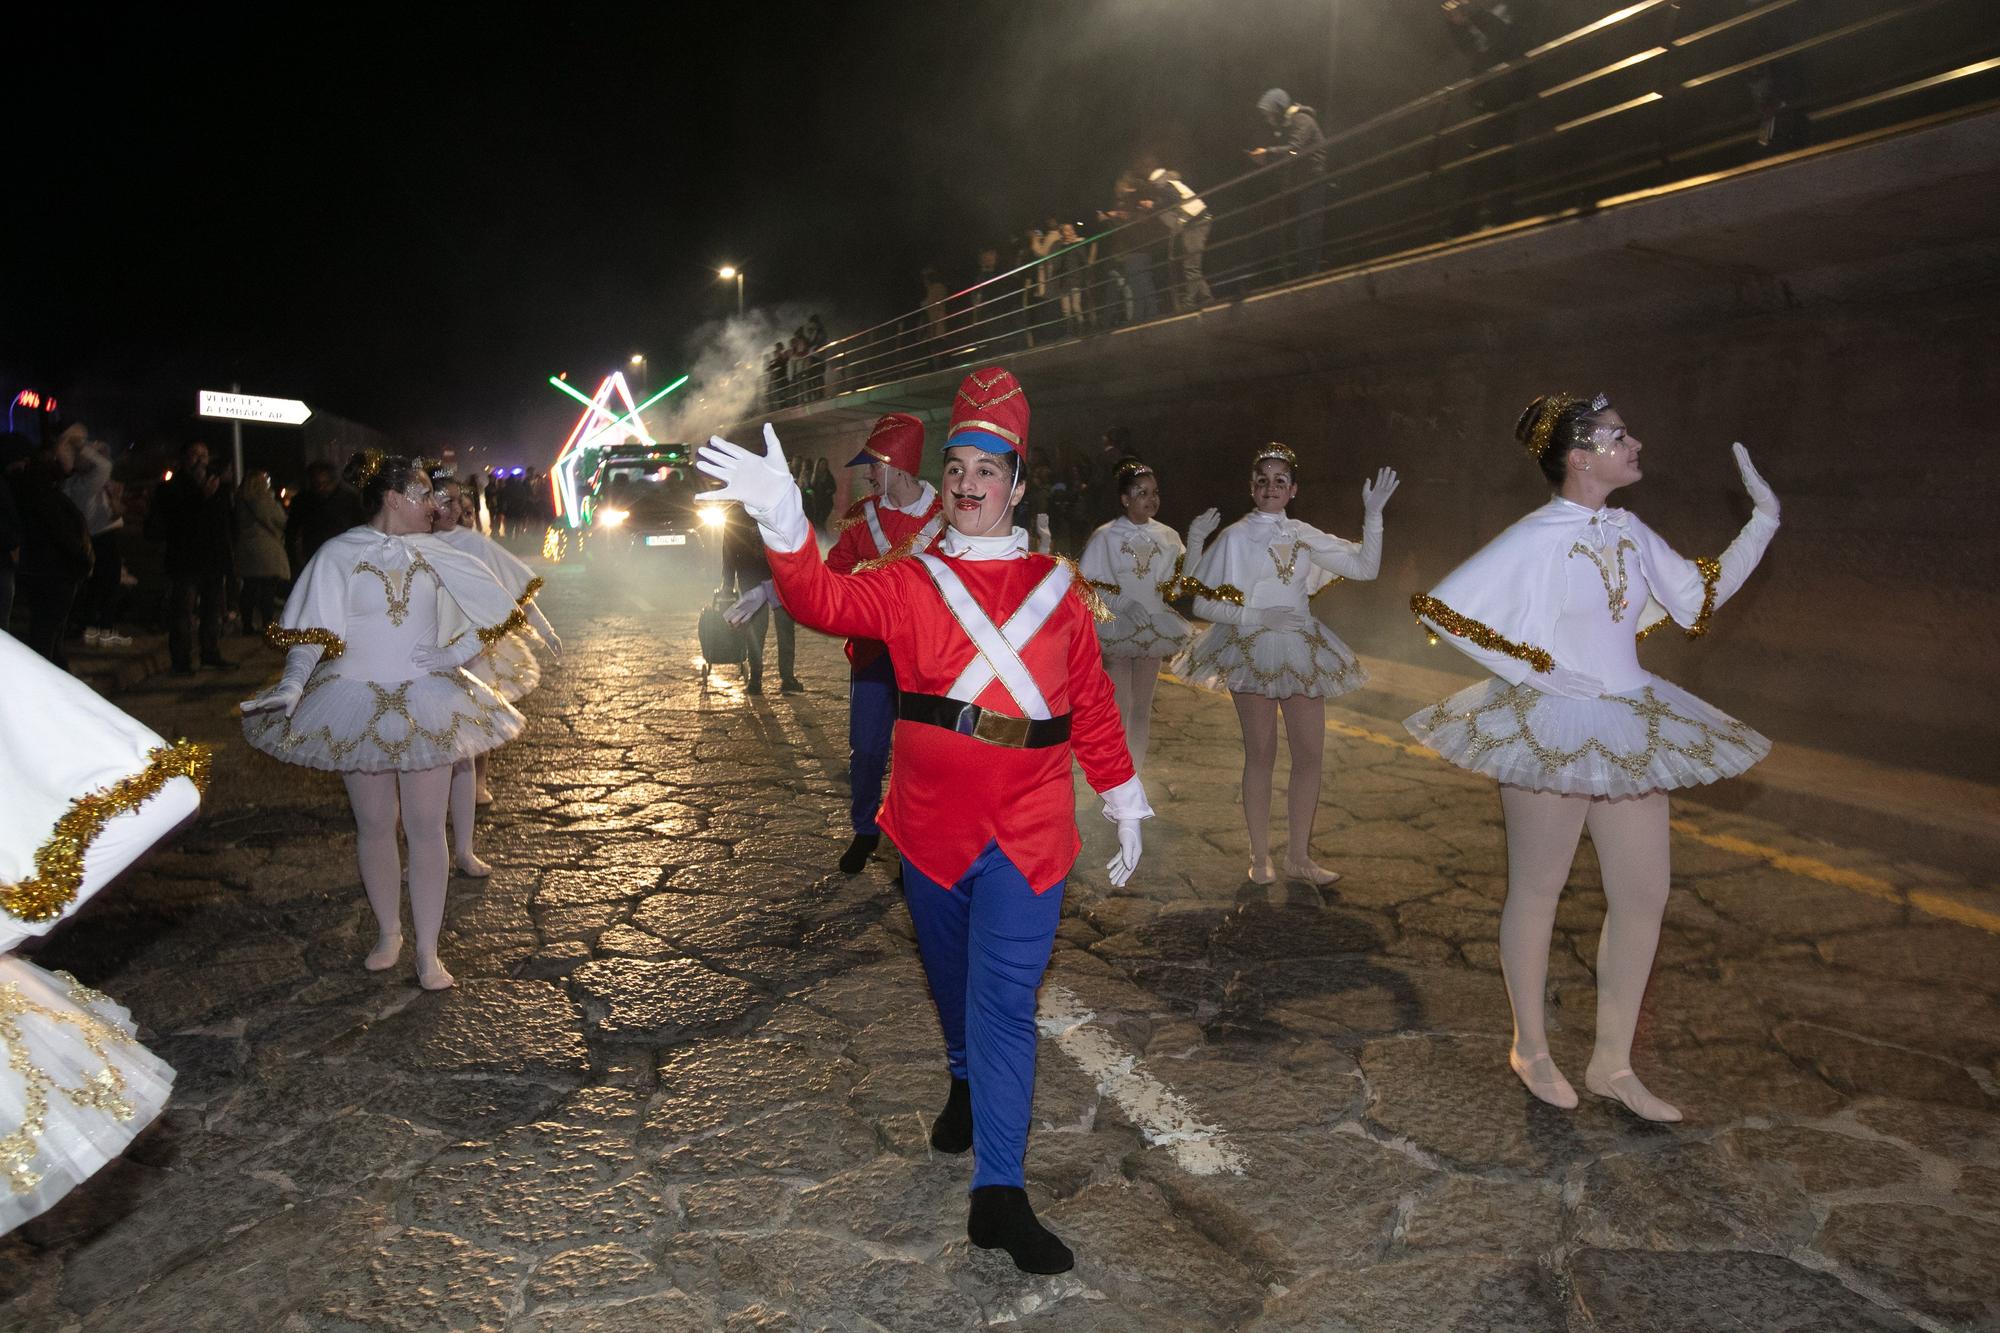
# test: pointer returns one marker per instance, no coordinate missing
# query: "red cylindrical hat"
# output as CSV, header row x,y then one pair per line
x,y
991,412
898,440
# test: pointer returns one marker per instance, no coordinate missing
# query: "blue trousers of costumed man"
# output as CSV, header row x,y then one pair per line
x,y
871,720
985,942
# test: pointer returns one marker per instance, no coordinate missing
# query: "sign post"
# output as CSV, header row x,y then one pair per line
x,y
237,408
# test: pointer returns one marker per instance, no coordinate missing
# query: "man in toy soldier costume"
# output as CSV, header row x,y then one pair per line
x,y
903,517
1001,683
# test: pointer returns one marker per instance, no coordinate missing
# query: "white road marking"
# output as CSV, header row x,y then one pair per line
x,y
1162,1115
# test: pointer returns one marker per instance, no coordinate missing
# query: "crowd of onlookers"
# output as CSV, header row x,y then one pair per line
x,y
218,555
795,372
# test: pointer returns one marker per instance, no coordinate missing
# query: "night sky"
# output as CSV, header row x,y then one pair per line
x,y
411,218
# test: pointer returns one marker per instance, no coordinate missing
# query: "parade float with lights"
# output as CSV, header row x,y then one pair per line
x,y
610,447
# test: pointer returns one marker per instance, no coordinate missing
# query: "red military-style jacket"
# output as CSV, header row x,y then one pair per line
x,y
950,794
862,540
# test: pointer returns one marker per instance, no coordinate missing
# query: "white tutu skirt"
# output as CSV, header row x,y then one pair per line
x,y
1136,632
75,1088
509,667
1276,663
348,725
1653,738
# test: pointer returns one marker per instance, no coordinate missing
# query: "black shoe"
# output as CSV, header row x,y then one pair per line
x,y
183,671
218,663
754,686
791,685
858,852
1002,1220
952,1131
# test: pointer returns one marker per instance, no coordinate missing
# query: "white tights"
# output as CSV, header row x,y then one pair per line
x,y
1630,835
468,779
420,797
1305,734
1133,681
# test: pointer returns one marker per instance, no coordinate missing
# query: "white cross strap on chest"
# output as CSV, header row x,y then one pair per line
x,y
871,511
997,650
928,533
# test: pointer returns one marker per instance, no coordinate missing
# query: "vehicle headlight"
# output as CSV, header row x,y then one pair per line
x,y
713,516
611,518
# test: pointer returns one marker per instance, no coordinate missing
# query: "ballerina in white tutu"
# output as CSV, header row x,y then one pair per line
x,y
509,666
379,628
86,790
1136,563
1255,584
1578,734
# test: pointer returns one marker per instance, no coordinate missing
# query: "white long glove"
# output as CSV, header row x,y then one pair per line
x,y
762,484
1199,531
1375,495
544,628
749,604
284,696
1762,497
1045,537
448,656
1565,683
1283,617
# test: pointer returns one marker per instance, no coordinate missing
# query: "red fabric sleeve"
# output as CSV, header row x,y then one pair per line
x,y
863,606
853,545
1095,734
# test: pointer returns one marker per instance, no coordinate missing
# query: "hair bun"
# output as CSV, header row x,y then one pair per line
x,y
1526,423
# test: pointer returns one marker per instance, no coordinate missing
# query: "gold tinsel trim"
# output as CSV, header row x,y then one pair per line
x,y
1427,607
1111,588
1172,587
59,861
1227,592
1711,571
492,634
1086,591
853,515
528,593
280,637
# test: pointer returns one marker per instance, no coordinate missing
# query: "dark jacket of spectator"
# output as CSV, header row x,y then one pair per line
x,y
315,516
55,541
194,517
260,531
1295,131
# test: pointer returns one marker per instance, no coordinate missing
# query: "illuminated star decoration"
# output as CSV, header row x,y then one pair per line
x,y
599,426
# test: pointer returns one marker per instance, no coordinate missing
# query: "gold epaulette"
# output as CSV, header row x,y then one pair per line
x,y
853,515
1086,590
1426,607
280,637
1711,571
59,861
902,550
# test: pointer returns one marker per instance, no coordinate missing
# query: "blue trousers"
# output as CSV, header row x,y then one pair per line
x,y
985,943
871,718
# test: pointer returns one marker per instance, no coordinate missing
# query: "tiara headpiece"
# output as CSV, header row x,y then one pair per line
x,y
1543,433
1132,467
1279,452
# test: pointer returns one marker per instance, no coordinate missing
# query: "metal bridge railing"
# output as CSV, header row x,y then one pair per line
x,y
1651,93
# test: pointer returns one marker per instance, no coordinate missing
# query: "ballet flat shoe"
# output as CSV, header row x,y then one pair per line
x,y
471,866
1309,872
1260,872
1542,1078
1625,1088
385,955
434,977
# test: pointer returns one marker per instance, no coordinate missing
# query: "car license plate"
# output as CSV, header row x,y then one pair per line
x,y
669,539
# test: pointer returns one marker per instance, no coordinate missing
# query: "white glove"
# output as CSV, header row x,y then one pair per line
x,y
280,698
1375,495
448,656
1204,526
748,605
1045,537
542,627
1122,865
284,696
555,644
1283,617
763,485
1762,496
1565,683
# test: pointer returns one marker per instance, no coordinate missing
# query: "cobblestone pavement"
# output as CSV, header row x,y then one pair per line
x,y
684,1080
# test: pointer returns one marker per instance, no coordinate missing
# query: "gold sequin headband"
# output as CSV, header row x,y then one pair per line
x,y
371,463
1278,451
1132,467
1553,407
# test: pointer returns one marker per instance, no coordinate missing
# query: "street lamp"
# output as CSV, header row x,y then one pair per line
x,y
728,271
639,364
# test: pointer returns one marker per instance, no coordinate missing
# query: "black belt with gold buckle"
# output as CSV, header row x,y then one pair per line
x,y
983,724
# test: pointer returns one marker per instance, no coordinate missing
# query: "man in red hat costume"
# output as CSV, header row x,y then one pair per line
x,y
1001,683
905,516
